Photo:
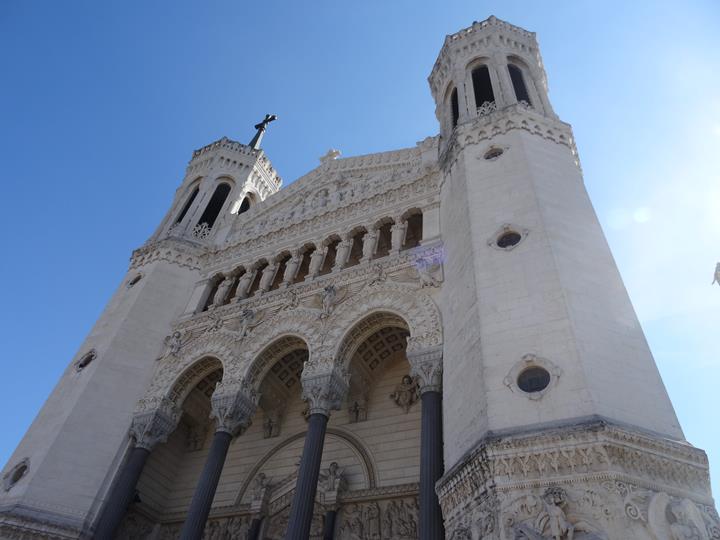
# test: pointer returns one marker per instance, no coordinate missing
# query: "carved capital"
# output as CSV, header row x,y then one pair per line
x,y
233,406
152,427
324,391
427,367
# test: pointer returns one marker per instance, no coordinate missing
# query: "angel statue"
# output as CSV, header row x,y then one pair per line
x,y
174,343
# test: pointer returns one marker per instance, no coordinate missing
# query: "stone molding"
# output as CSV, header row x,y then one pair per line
x,y
172,250
233,405
150,428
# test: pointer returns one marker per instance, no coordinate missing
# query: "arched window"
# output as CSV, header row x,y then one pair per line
x,y
212,210
454,107
482,86
518,82
244,205
188,204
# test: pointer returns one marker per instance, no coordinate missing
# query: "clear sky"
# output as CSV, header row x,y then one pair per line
x,y
102,103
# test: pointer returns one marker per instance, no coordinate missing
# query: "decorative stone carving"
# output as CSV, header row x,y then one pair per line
x,y
333,479
324,391
153,427
405,393
271,424
357,411
174,343
134,527
222,291
260,486
233,405
426,367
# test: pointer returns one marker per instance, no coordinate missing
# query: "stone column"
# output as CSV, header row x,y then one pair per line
x,y
506,86
397,235
147,430
316,260
426,367
233,405
244,285
323,392
267,277
369,245
342,254
291,268
329,527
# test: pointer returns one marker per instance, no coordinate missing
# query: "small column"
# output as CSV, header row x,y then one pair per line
x,y
244,285
316,260
267,277
233,406
329,527
323,392
369,245
506,87
426,366
397,235
148,429
291,268
342,254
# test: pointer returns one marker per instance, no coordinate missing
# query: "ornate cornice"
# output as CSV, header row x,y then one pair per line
x,y
172,250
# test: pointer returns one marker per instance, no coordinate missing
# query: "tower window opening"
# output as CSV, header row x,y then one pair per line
x,y
212,210
356,251
482,87
304,267
256,280
244,206
454,107
280,273
384,241
329,261
518,82
533,379
188,204
414,233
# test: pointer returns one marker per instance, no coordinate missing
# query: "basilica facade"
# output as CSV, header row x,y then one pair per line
x,y
432,342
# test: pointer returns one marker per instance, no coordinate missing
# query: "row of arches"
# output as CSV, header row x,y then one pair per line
x,y
265,457
484,84
360,244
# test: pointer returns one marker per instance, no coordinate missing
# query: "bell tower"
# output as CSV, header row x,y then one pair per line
x,y
552,398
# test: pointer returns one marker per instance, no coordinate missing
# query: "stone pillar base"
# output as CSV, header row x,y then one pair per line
x,y
596,479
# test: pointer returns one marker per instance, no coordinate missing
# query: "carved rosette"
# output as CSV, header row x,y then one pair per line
x,y
426,367
153,427
324,392
233,405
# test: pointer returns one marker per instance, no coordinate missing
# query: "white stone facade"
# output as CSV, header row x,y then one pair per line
x,y
455,265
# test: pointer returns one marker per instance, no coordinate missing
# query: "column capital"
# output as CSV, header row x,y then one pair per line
x,y
233,405
151,427
426,366
323,391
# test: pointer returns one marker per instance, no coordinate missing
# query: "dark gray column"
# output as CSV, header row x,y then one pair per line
x,y
431,466
329,527
301,513
205,490
121,495
254,532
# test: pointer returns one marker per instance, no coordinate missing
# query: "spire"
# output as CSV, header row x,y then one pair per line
x,y
261,127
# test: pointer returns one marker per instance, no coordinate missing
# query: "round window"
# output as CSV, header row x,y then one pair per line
x,y
85,360
508,239
533,379
493,153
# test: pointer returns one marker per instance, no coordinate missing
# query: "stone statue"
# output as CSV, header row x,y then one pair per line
x,y
405,393
716,278
357,411
328,300
270,426
557,523
246,318
681,524
333,477
372,521
259,486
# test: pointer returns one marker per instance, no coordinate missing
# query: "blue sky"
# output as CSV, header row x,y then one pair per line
x,y
102,103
